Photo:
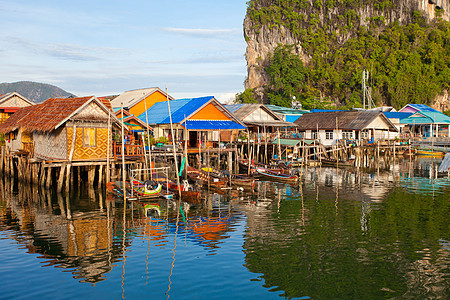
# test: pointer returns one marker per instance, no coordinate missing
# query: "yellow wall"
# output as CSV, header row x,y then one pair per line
x,y
139,108
98,152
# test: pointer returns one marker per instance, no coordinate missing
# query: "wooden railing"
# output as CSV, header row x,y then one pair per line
x,y
131,151
28,147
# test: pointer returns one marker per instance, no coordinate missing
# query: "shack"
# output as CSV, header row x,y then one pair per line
x,y
10,103
328,127
62,129
137,101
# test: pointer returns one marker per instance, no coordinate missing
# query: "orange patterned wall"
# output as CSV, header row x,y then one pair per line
x,y
81,152
209,112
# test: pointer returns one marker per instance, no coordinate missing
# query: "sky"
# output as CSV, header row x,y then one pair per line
x,y
193,47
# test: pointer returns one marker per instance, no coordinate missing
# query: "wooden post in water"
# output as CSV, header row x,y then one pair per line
x,y
123,159
173,148
108,150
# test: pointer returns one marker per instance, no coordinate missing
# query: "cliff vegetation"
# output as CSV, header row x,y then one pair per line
x,y
409,61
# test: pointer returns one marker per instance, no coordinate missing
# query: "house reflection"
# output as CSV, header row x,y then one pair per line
x,y
81,241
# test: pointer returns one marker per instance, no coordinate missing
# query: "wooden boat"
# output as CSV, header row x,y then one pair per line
x,y
333,162
241,180
202,178
279,168
277,176
429,152
188,193
137,190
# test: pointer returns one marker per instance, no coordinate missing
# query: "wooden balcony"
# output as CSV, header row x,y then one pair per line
x,y
131,151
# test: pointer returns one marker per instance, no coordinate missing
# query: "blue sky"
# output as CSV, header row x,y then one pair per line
x,y
194,47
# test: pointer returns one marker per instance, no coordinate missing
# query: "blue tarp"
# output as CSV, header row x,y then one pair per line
x,y
211,125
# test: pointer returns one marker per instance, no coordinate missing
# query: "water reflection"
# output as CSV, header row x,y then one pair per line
x,y
339,233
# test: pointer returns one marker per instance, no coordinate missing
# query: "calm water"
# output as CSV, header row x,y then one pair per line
x,y
346,234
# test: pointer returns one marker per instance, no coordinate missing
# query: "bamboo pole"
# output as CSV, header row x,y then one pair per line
x,y
173,144
108,149
124,175
148,140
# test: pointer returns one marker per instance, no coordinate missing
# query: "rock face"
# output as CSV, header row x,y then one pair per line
x,y
262,39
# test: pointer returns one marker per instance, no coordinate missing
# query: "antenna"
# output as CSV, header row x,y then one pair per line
x,y
366,91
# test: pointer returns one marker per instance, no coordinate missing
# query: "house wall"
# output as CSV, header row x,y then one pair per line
x,y
209,112
51,145
88,152
150,100
15,101
259,115
14,144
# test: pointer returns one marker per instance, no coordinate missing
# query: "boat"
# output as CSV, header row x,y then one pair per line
x,y
426,152
147,189
242,180
202,178
277,176
334,162
188,193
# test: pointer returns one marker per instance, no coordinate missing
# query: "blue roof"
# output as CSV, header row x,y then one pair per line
x,y
396,115
233,107
422,107
180,109
211,125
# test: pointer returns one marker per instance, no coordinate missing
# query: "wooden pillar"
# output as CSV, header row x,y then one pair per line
x,y
48,178
91,176
61,177
100,176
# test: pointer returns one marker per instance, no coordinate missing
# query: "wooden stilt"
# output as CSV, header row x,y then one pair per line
x,y
61,177
48,178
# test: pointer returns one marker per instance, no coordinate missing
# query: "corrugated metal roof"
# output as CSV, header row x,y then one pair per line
x,y
211,125
396,115
286,110
420,107
348,120
426,117
130,98
180,109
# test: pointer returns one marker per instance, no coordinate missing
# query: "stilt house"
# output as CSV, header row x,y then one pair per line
x,y
10,103
62,129
195,120
136,101
328,127
260,120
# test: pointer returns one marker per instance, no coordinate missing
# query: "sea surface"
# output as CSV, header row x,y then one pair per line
x,y
338,234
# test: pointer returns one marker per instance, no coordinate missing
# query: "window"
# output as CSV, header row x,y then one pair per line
x,y
364,134
328,134
89,137
313,134
347,134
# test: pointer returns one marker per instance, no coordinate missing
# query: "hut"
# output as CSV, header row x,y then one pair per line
x,y
428,123
136,101
259,119
62,129
328,127
196,121
10,103
287,114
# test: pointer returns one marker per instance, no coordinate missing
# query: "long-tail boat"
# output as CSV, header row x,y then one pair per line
x,y
274,175
202,177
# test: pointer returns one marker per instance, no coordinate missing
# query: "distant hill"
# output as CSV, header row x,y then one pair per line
x,y
35,91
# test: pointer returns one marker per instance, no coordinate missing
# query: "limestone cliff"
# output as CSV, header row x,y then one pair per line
x,y
271,22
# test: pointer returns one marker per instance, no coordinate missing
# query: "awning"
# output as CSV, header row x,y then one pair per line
x,y
211,125
271,123
292,142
